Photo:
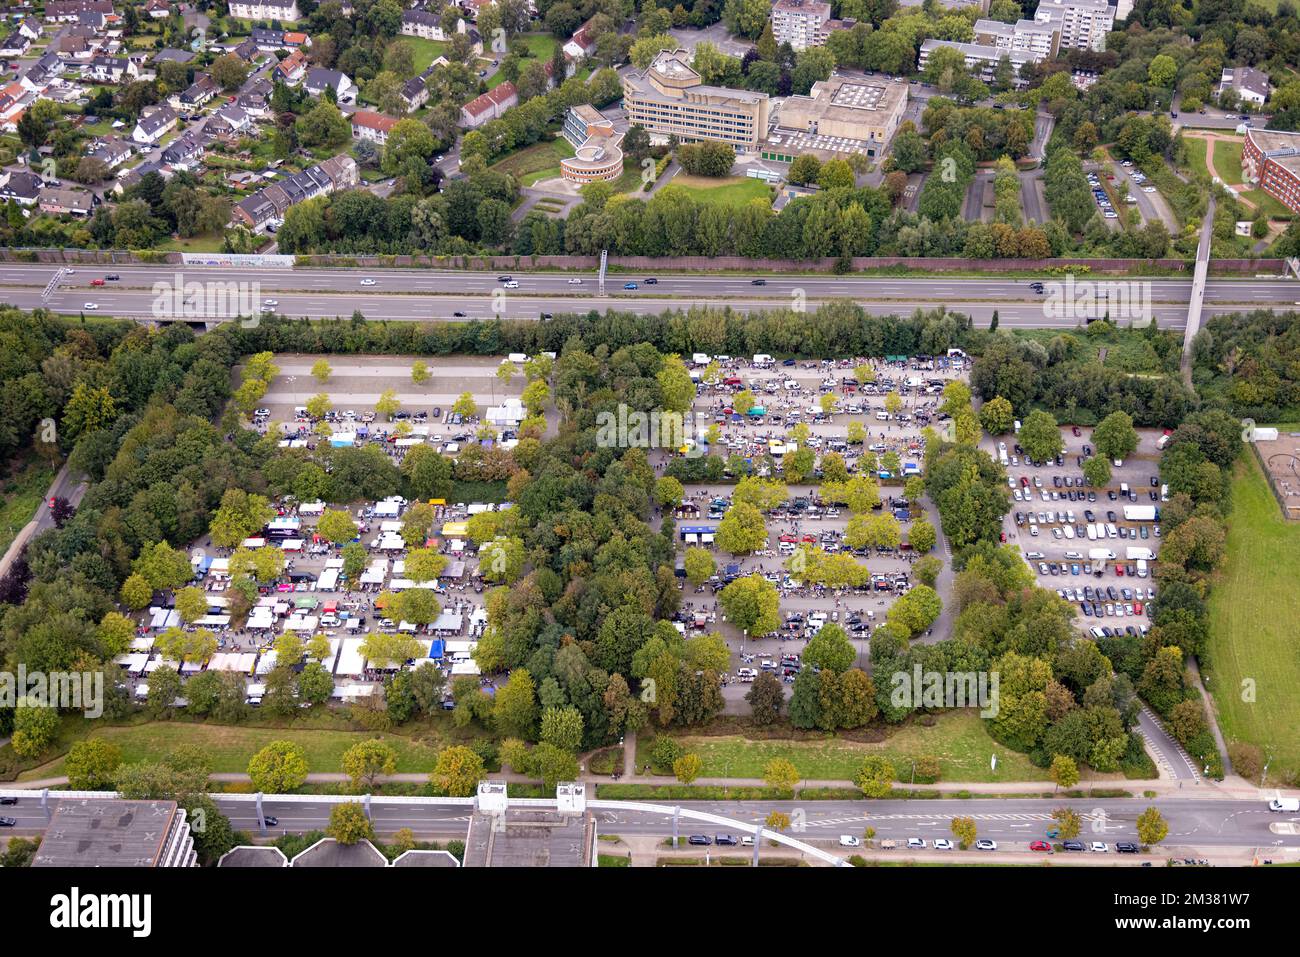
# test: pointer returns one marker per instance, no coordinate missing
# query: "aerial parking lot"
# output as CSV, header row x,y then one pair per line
x,y
883,407
1094,546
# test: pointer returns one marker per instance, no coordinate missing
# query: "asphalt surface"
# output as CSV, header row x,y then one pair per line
x,y
1193,822
424,295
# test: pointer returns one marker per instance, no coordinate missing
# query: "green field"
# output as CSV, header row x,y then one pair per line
x,y
1269,206
958,740
1196,151
230,747
1227,161
537,162
1253,610
211,243
426,51
21,492
728,191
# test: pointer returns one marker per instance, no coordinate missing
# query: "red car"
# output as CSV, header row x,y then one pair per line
x,y
1119,571
97,282
1137,607
1040,846
1004,537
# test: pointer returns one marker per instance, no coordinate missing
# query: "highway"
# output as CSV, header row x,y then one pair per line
x,y
425,294
1193,822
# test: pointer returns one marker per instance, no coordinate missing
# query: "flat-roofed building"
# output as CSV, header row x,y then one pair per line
x,y
981,58
1271,159
839,116
668,99
1083,24
1029,36
107,832
597,157
798,22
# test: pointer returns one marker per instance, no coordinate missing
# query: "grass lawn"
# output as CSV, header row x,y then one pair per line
x,y
1196,150
21,492
537,162
1253,610
426,51
230,747
1227,161
958,740
727,191
209,243
1126,349
1266,203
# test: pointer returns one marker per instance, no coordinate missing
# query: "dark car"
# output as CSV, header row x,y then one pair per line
x,y
271,820
8,822
725,840
700,839
1126,847
1072,845
503,278
788,362
112,277
652,281
458,315
1037,286
10,801
758,282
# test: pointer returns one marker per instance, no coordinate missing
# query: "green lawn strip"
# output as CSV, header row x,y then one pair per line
x,y
538,158
727,191
1227,161
1253,609
958,739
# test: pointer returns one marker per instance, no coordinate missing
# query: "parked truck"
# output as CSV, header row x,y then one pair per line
x,y
1141,513
1135,552
1291,805
1101,554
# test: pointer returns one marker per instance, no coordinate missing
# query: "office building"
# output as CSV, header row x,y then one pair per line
x,y
669,99
839,116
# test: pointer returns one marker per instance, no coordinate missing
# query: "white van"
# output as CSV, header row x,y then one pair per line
x,y
517,357
1092,533
1142,568
882,416
1164,493
1111,531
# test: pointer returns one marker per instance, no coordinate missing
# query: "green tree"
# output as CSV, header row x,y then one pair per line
x,y
752,603
562,727
699,564
996,416
321,371
458,771
278,768
964,829
1064,771
922,536
336,526
365,761
349,824
1151,827
1040,436
781,775
515,711
876,777
1114,437
1068,822
1097,471
687,768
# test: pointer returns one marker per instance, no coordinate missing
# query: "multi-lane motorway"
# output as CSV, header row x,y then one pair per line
x,y
423,294
1193,822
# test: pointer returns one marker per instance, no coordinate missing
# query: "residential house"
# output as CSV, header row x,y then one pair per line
x,y
154,125
185,153
267,38
128,178
109,69
423,24
319,79
44,73
199,93
375,127
489,106
292,68
21,187
70,11
112,150
158,9
295,40
414,93
14,100
1250,85
284,10
230,120
273,202
342,171
15,45
31,29
247,50
173,56
70,202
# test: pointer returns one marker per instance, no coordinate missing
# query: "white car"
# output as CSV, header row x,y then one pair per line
x,y
1099,847
368,282
271,302
91,305
848,840
1148,189
984,844
512,284
575,282
916,842
943,844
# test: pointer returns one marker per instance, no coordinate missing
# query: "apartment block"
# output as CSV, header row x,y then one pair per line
x,y
981,58
1082,24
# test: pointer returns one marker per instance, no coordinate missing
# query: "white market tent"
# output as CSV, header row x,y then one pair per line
x,y
351,662
266,663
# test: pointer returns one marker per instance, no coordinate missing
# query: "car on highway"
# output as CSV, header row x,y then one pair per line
x,y
630,285
368,282
504,278
1040,846
1037,287
575,282
984,844
548,315
651,281
8,801
758,282
97,282
91,305
458,315
271,820
1099,847
8,822
112,277
848,840
512,284
1072,845
271,302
